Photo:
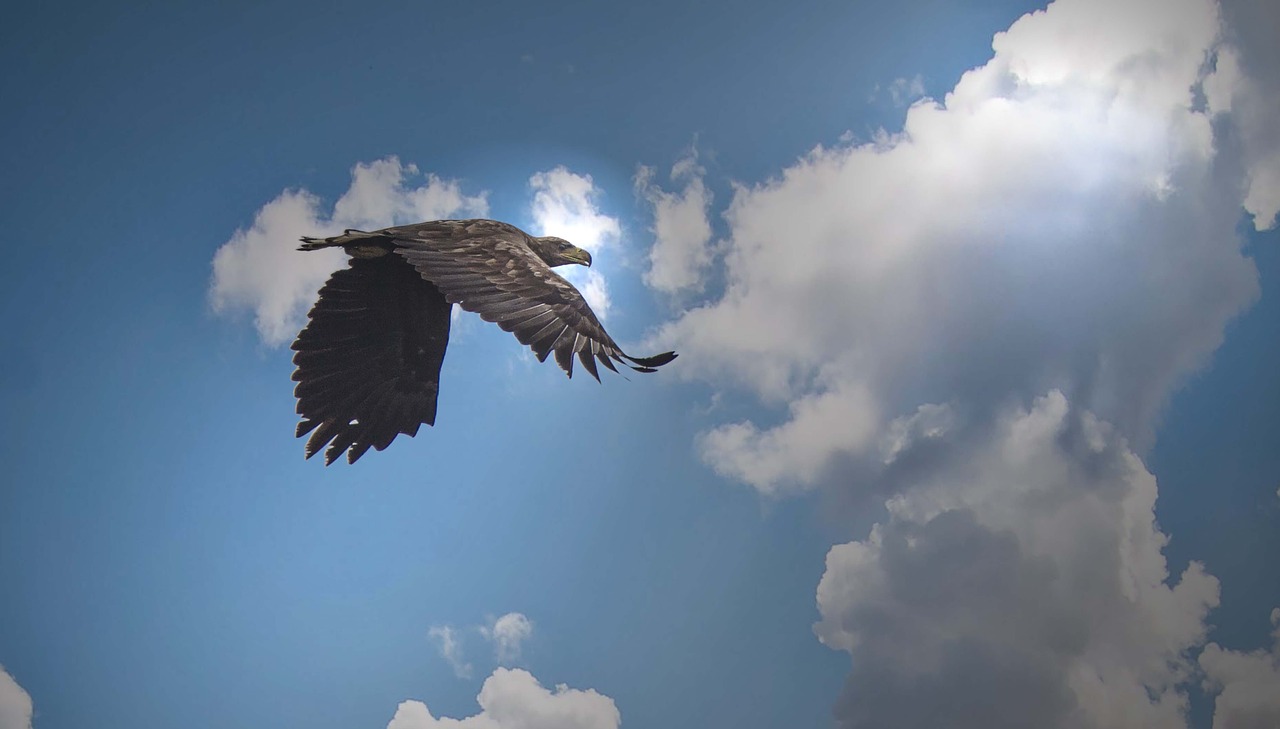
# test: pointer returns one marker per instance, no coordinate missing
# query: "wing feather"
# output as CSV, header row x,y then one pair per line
x,y
488,268
368,361
589,364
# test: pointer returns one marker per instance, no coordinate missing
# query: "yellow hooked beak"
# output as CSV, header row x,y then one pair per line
x,y
578,255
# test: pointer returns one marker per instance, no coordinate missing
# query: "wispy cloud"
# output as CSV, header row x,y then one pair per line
x,y
902,91
260,270
506,635
449,644
513,699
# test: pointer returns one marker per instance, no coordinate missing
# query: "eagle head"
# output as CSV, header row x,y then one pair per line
x,y
559,252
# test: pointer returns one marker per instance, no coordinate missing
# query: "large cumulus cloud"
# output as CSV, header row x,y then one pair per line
x,y
975,322
1063,218
1020,583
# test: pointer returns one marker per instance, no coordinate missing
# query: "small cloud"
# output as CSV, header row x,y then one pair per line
x,y
527,58
450,644
260,270
507,633
15,703
903,91
564,205
681,250
513,699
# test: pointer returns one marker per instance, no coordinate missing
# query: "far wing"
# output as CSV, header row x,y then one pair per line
x,y
368,362
487,268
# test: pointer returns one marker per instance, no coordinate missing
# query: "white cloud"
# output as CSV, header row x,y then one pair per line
x,y
1020,583
564,205
1064,218
904,91
929,422
507,633
15,703
1246,85
261,270
1062,222
513,699
1247,683
594,289
841,419
450,645
681,250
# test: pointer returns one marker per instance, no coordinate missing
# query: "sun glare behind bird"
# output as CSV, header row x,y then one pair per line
x,y
368,361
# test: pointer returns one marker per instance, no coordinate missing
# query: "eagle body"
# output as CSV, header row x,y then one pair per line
x,y
368,361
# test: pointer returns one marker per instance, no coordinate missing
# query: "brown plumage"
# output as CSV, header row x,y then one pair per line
x,y
368,361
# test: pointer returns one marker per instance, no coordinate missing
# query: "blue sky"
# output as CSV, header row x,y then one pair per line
x,y
974,416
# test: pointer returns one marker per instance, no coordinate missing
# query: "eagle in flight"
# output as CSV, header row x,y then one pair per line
x,y
368,361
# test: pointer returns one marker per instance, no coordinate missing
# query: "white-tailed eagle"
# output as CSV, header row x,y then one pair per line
x,y
368,361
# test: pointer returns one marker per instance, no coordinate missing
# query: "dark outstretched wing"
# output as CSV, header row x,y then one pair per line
x,y
368,362
487,267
